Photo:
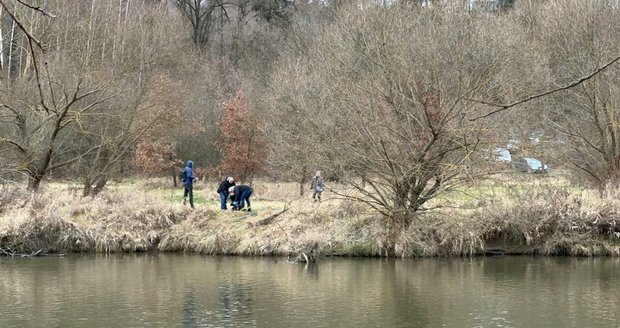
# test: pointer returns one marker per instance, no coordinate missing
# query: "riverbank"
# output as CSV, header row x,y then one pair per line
x,y
140,217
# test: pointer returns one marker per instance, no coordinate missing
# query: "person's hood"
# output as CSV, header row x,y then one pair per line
x,y
189,164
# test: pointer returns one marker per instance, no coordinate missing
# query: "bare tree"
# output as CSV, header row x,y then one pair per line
x,y
37,130
386,93
586,116
294,131
204,17
76,86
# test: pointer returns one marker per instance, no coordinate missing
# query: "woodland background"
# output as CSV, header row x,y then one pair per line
x,y
400,101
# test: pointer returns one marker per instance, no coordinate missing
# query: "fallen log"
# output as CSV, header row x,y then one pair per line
x,y
268,219
48,255
494,252
11,253
7,252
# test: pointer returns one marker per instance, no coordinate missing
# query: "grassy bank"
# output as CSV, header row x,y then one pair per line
x,y
143,216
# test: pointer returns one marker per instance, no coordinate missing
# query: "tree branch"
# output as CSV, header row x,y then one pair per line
x,y
75,159
20,25
36,8
32,41
15,144
543,94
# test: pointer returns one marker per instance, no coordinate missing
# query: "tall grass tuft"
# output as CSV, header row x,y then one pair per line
x,y
556,222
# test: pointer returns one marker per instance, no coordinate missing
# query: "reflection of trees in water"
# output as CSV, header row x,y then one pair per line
x,y
235,304
312,271
407,302
190,317
234,308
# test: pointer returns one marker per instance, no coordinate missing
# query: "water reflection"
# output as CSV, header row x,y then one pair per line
x,y
235,305
312,270
191,316
234,308
195,291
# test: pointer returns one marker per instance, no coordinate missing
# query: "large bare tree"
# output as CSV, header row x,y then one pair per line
x,y
387,94
586,117
61,109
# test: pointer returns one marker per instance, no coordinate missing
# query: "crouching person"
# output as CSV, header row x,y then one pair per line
x,y
240,195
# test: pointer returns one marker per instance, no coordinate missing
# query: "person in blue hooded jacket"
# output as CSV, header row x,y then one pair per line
x,y
188,183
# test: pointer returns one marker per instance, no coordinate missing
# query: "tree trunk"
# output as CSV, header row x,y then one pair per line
x,y
174,176
10,56
302,182
401,196
100,183
1,43
87,187
89,38
396,225
34,182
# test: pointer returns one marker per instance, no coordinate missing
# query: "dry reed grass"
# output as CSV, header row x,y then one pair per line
x,y
556,222
126,218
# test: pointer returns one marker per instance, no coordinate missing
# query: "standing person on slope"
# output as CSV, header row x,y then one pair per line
x,y
317,186
222,190
188,183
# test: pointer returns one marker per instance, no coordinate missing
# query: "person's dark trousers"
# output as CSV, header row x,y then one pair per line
x,y
245,197
223,197
189,191
316,195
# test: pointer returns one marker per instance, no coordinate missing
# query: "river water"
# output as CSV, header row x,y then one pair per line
x,y
197,291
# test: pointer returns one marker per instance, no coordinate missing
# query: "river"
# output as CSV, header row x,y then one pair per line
x,y
196,291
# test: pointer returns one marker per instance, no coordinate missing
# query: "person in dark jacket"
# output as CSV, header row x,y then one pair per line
x,y
188,183
223,191
240,195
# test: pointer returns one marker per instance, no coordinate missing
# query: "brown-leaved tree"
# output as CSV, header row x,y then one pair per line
x,y
242,143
